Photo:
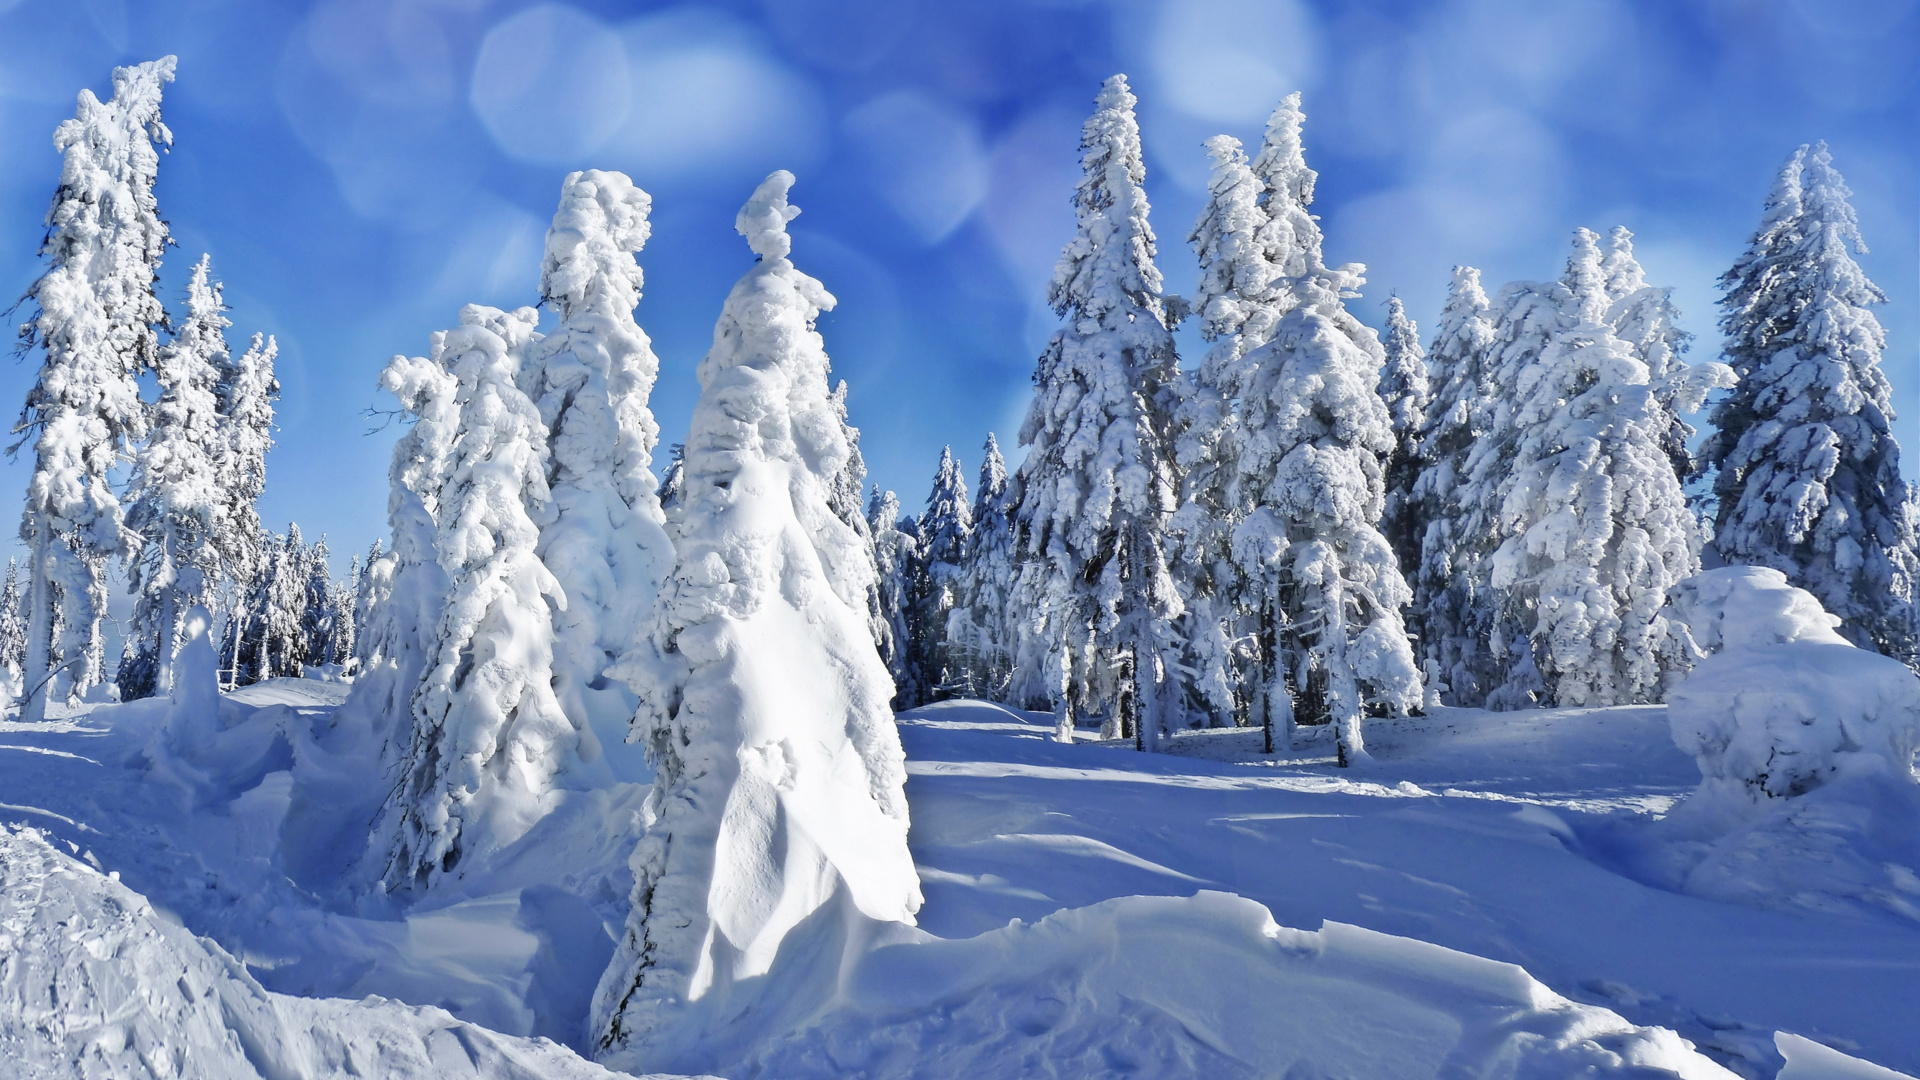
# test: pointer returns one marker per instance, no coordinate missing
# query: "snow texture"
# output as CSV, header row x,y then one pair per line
x,y
779,794
98,322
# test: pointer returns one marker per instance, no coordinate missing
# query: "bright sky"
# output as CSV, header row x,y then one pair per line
x,y
359,169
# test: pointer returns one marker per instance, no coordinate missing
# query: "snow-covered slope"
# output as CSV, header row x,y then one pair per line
x,y
94,983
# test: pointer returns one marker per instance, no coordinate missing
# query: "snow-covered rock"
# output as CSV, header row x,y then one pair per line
x,y
1785,704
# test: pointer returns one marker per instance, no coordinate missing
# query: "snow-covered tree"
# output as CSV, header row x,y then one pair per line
x,y
946,536
98,322
607,547
780,785
1452,604
978,630
272,641
1644,316
13,629
1408,394
1593,522
320,616
491,746
1805,467
343,642
246,393
1096,599
173,501
896,553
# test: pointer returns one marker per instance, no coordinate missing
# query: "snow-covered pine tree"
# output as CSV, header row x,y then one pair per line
x,y
1805,467
13,629
980,628
342,644
946,536
173,501
846,496
246,394
1644,316
319,618
780,785
99,322
1452,606
272,640
1406,389
491,746
372,584
1097,486
1593,523
896,553
607,547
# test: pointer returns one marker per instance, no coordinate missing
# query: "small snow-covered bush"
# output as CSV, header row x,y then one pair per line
x,y
1784,704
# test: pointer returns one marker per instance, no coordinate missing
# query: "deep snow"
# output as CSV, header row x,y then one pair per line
x,y
1533,839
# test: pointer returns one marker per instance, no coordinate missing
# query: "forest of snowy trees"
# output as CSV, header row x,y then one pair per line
x,y
1312,523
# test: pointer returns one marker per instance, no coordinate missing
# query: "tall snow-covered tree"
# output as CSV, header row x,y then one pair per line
x,y
896,553
1805,467
1097,486
607,547
978,630
272,641
98,322
320,617
780,784
246,393
491,746
1593,522
946,535
173,501
13,629
1406,389
1452,605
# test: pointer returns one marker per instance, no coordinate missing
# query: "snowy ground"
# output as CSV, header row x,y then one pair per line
x,y
1535,839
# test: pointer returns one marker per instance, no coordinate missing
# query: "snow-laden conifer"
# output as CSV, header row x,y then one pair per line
x,y
13,628
1097,487
780,785
98,322
1644,316
1594,525
607,547
343,642
1406,389
1805,467
491,747
272,640
247,392
1452,601
946,537
979,630
173,501
320,617
896,554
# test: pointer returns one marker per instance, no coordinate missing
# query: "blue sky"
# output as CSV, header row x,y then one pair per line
x,y
359,169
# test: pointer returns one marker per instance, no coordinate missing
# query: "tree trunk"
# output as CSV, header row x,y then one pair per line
x,y
1063,712
38,676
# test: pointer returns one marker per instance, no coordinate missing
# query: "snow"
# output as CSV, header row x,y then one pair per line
x,y
1533,839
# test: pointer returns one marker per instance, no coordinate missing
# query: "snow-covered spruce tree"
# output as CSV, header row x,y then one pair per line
x,y
13,629
342,644
319,617
406,587
946,536
1594,525
607,547
98,322
173,501
1097,486
1805,467
1452,605
780,786
1315,434
896,553
980,629
273,641
1408,393
846,495
246,393
491,746
1644,316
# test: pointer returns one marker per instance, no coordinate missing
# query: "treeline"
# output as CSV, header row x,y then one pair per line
x,y
1316,524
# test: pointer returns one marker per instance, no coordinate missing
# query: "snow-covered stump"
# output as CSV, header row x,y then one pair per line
x,y
1784,704
779,841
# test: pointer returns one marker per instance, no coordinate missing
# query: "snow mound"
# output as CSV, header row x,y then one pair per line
x,y
1785,705
94,983
1208,985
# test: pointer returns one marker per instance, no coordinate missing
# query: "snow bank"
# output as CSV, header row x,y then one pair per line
x,y
1785,704
94,983
1209,986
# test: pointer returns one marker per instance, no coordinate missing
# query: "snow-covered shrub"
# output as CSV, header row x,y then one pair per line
x,y
1784,704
